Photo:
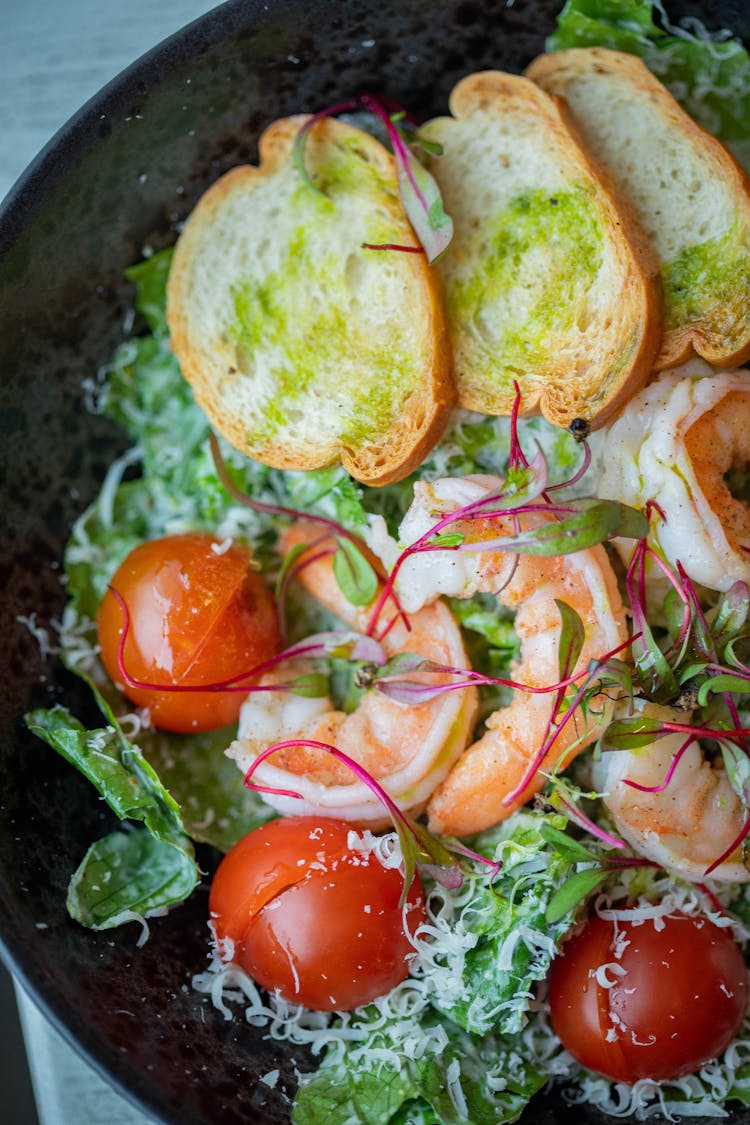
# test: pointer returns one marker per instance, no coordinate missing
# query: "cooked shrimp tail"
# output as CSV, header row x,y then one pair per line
x,y
490,780
676,444
408,749
676,805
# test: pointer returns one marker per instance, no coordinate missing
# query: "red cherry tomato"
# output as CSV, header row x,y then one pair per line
x,y
678,997
197,616
312,917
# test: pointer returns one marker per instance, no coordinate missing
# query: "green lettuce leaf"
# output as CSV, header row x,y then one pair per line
x,y
126,874
150,280
515,943
150,870
467,1080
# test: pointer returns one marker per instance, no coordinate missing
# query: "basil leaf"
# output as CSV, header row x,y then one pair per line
x,y
128,873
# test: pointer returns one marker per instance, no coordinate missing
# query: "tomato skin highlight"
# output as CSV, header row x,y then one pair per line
x,y
313,918
198,615
678,998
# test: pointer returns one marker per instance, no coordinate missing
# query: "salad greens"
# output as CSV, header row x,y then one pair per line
x,y
457,1042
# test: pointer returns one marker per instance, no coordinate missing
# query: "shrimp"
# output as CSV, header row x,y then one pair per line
x,y
473,795
687,824
673,444
409,749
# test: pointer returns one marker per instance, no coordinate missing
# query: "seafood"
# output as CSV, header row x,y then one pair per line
x,y
673,444
473,795
407,748
690,822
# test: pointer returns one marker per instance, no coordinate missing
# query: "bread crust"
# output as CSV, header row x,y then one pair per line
x,y
587,374
241,210
559,73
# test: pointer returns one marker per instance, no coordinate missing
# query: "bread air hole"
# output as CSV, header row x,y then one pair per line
x,y
355,274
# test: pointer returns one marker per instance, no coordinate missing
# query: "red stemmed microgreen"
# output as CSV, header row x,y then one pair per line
x,y
419,847
389,679
600,674
575,524
295,561
338,645
583,881
246,501
695,667
566,801
351,567
419,192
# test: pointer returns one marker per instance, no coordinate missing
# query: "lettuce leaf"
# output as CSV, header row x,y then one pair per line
x,y
127,875
514,944
462,1080
412,1057
145,870
150,280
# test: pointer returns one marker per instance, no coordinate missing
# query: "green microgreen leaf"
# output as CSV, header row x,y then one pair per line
x,y
589,521
447,539
403,662
573,891
421,198
432,148
633,733
311,685
731,614
725,681
355,576
572,636
737,765
566,845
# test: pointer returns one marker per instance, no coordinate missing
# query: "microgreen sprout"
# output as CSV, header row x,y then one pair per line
x,y
445,859
554,529
418,190
338,645
356,572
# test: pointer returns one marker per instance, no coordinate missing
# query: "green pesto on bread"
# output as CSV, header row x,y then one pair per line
x,y
302,345
689,194
548,283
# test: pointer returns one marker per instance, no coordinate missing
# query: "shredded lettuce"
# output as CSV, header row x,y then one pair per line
x,y
145,870
471,1080
451,1045
513,943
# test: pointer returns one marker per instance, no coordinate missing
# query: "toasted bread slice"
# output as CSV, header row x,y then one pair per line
x,y
301,345
547,284
691,197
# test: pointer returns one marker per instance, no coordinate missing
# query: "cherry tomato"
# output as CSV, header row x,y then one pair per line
x,y
678,996
312,917
198,615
